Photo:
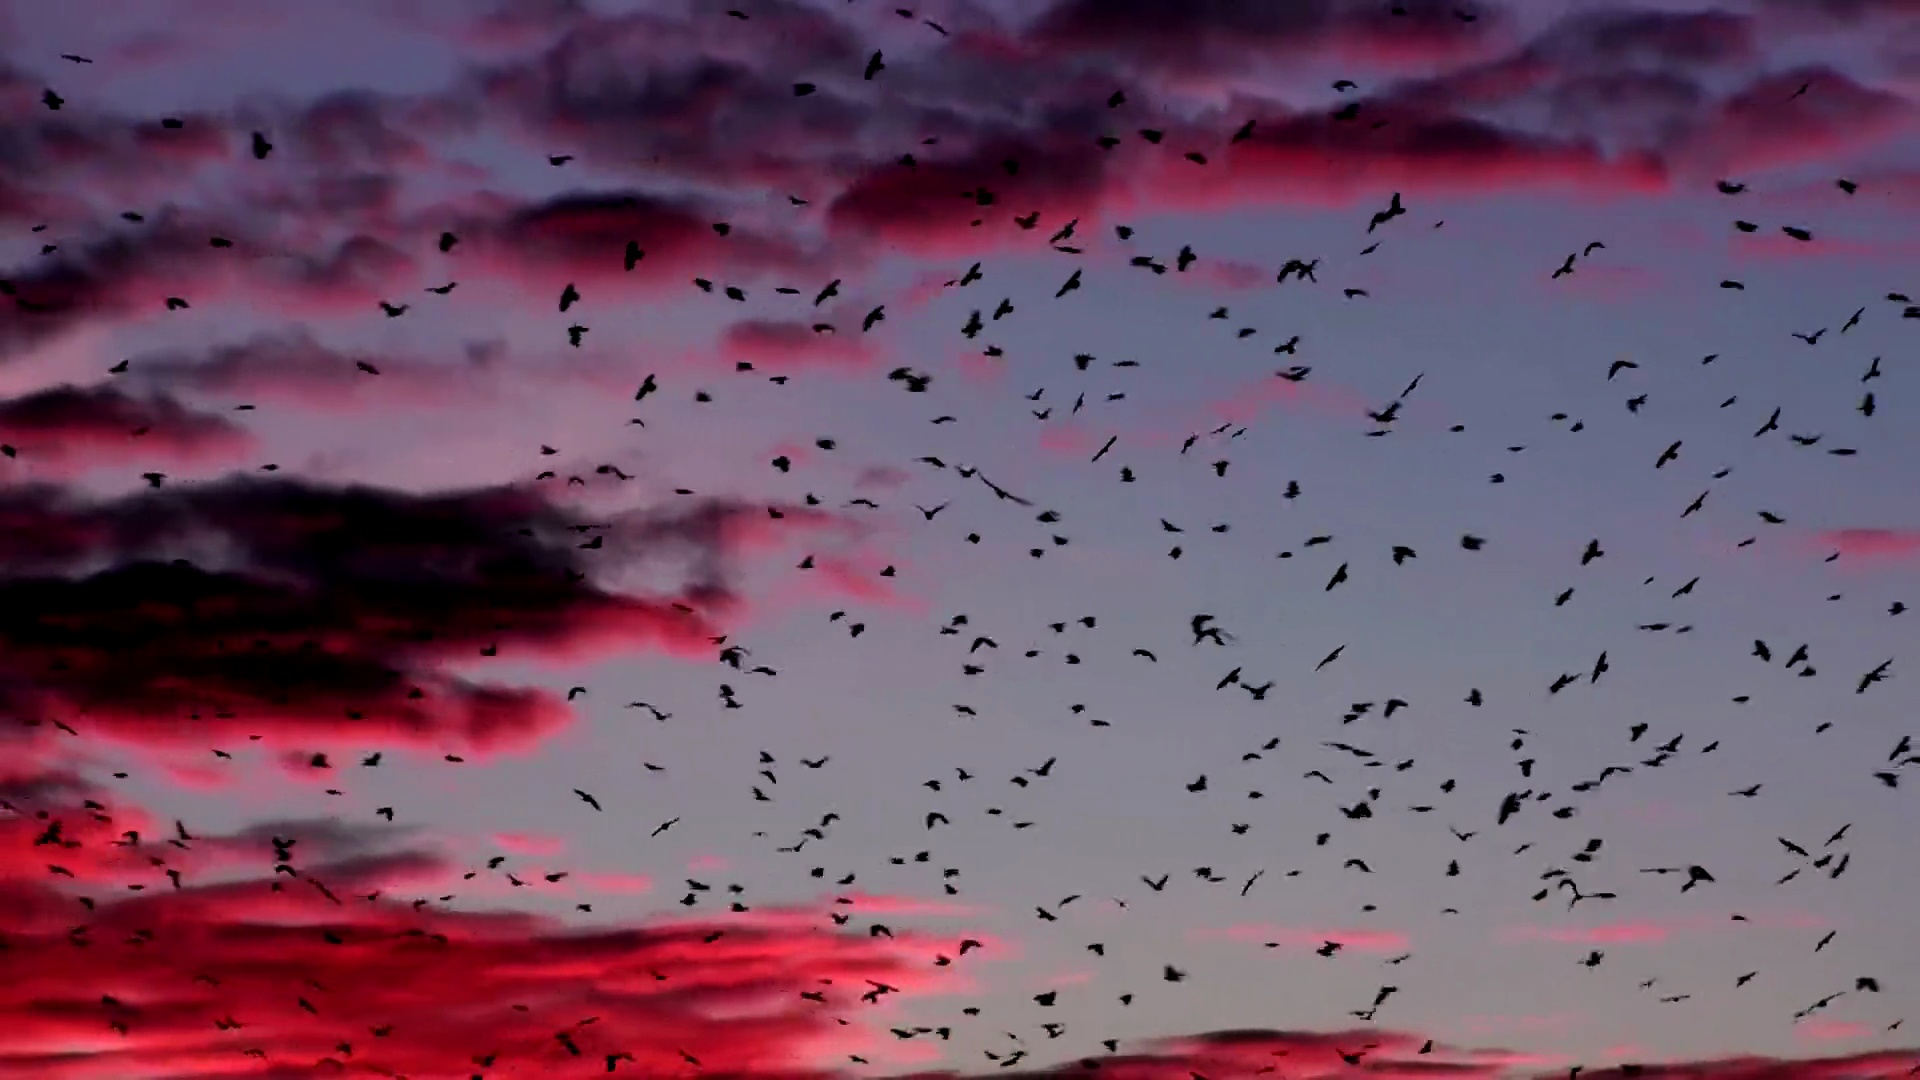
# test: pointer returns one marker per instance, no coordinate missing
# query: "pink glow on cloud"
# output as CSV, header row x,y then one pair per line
x,y
1608,283
196,777
980,369
1276,394
1873,544
535,844
855,578
1359,940
1832,1030
1555,1022
1644,932
1620,933
1069,438
881,477
1776,246
869,904
613,882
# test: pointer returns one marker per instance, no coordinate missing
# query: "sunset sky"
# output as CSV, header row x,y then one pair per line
x,y
256,527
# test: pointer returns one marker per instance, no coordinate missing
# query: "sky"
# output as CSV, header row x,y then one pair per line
x,y
1023,629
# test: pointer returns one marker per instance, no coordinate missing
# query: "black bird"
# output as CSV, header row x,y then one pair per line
x,y
1381,217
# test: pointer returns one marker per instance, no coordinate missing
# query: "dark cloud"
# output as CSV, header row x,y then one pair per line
x,y
934,203
53,164
698,98
1637,37
1844,12
303,612
295,368
584,236
700,116
70,426
135,269
1229,36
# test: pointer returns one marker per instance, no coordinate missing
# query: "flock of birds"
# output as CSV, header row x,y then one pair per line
x,y
1494,810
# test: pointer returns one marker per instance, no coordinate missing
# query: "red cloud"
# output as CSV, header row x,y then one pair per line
x,y
583,237
334,612
68,427
1312,157
785,346
1309,157
316,971
932,205
320,970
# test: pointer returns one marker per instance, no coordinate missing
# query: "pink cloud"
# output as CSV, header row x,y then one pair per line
x,y
786,346
613,882
1831,1030
524,843
869,904
1606,283
1877,544
1620,933
1776,246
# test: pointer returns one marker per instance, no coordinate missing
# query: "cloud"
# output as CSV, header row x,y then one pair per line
x,y
932,205
583,237
703,109
56,161
522,843
1313,158
1874,543
1294,937
1841,12
1777,246
790,345
318,970
1274,393
294,368
134,271
1769,123
1605,283
1619,933
1232,36
68,427
302,612
323,968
